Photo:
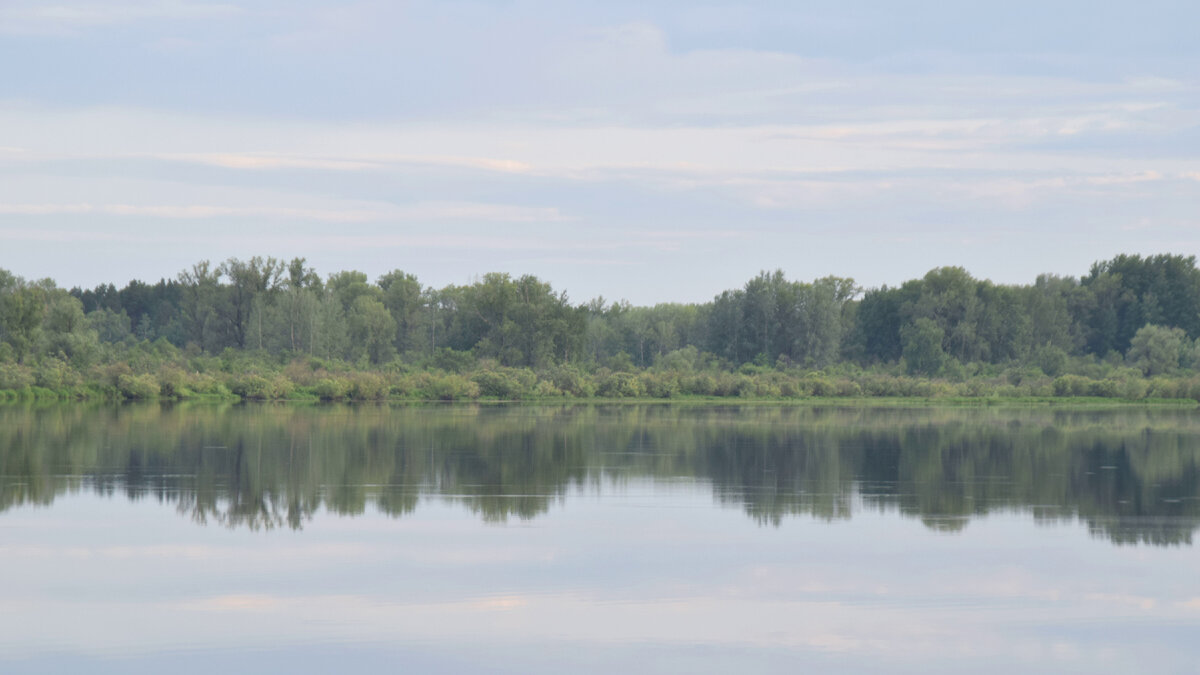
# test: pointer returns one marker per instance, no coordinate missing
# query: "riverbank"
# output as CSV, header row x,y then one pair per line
x,y
321,380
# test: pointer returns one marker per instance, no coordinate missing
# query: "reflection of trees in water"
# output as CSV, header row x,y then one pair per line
x,y
1130,475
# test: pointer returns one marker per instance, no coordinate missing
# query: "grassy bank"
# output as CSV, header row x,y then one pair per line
x,y
158,371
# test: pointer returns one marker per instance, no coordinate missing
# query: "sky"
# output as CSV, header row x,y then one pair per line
x,y
654,151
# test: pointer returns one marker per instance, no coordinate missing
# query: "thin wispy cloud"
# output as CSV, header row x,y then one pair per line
x,y
69,17
428,212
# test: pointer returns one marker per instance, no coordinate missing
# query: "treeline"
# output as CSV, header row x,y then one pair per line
x,y
1129,319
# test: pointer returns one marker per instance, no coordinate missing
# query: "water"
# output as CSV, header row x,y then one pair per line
x,y
598,538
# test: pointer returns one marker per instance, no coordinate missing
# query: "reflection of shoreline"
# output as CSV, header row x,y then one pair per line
x,y
1130,476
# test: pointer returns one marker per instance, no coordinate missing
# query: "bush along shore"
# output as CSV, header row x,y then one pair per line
x,y
271,330
158,370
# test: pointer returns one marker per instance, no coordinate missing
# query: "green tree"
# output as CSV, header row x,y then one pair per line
x,y
346,287
879,317
371,330
1132,291
199,309
330,338
295,312
256,279
66,331
1051,305
949,297
109,326
821,312
923,353
22,307
1156,350
402,295
726,327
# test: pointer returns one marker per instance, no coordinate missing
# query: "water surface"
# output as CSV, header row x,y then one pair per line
x,y
652,538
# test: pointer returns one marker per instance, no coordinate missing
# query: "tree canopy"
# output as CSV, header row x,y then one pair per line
x,y
1144,311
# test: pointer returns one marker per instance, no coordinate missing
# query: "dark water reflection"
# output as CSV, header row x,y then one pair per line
x,y
1129,474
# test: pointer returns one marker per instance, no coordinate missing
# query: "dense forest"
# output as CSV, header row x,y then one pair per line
x,y
266,328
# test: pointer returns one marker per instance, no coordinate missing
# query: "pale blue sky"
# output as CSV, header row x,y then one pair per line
x,y
654,151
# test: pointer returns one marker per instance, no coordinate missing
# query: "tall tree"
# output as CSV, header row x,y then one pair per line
x,y
402,295
22,307
249,279
371,330
200,301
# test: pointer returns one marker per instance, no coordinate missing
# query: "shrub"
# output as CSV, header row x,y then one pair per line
x,y
848,388
409,385
620,385
171,383
331,389
546,389
1106,388
765,388
451,387
55,374
368,387
1071,385
15,376
505,383
204,384
571,382
821,386
1157,387
699,385
1050,359
659,385
253,387
789,388
137,386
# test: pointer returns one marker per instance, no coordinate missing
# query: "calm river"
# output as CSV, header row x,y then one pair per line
x,y
624,538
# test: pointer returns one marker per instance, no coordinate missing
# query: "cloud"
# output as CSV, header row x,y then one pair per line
x,y
820,136
262,161
1125,179
39,17
422,212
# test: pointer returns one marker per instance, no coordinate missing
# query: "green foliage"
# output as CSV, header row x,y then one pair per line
x,y
702,384
131,386
368,387
56,374
448,387
22,309
570,381
507,384
1052,360
659,384
372,329
620,385
14,376
922,347
684,360
172,383
452,360
1157,350
331,388
406,303
1131,291
261,328
255,387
